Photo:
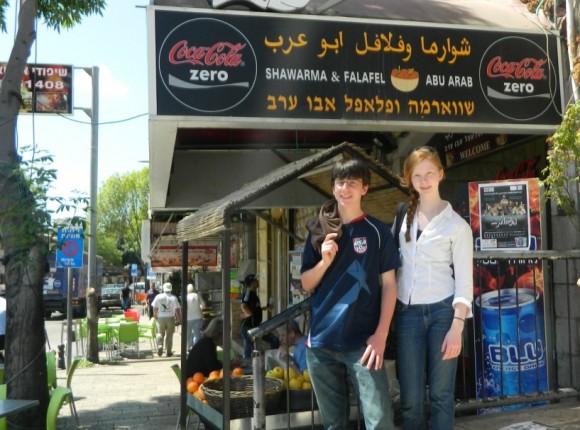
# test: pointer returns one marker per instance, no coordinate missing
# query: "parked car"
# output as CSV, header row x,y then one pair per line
x,y
138,293
111,296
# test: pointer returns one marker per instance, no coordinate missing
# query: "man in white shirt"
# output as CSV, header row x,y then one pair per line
x,y
168,313
194,316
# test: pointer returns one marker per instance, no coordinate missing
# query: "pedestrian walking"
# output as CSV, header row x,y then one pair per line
x,y
167,311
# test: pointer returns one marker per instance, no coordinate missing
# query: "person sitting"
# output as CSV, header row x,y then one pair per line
x,y
290,335
202,356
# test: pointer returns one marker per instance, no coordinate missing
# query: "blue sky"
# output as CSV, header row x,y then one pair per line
x,y
117,43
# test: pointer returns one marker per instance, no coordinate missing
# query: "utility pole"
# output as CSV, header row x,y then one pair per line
x,y
93,114
94,73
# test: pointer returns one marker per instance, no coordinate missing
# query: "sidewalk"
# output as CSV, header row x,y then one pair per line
x,y
143,394
126,393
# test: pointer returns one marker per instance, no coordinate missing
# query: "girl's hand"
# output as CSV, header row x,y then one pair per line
x,y
451,347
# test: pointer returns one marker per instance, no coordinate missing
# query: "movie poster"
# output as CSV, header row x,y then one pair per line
x,y
504,218
509,325
502,211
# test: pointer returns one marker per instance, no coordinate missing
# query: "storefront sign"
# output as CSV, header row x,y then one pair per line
x,y
45,88
168,253
341,70
455,148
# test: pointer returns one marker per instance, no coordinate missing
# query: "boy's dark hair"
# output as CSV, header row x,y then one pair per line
x,y
353,168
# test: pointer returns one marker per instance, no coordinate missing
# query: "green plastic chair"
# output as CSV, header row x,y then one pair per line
x,y
177,371
82,334
53,384
57,399
104,338
73,366
3,395
51,369
128,334
69,398
148,330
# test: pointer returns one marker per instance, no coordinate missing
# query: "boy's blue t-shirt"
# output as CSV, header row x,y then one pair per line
x,y
346,306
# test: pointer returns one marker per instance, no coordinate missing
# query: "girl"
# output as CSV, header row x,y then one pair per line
x,y
434,295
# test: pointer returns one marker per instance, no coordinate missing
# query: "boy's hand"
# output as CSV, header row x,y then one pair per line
x,y
329,248
373,356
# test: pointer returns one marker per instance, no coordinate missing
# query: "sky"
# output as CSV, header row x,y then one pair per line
x,y
116,43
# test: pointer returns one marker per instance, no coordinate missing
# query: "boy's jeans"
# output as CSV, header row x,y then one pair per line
x,y
329,370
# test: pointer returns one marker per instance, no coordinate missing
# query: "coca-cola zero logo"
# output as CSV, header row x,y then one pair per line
x,y
207,65
517,78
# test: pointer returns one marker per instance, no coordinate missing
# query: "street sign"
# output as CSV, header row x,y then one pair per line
x,y
150,274
69,253
134,271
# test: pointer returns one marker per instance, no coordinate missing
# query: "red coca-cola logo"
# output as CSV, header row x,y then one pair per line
x,y
219,54
207,65
525,169
526,69
517,78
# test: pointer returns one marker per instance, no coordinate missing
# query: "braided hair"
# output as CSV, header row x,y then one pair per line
x,y
415,157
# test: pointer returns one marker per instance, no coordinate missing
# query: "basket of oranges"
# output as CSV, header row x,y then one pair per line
x,y
242,395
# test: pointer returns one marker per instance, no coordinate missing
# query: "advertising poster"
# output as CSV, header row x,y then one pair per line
x,y
332,69
45,88
509,325
168,253
504,218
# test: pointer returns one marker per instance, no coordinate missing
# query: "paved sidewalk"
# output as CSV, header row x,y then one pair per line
x,y
128,393
143,394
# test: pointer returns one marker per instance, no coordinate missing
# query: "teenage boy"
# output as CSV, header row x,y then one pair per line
x,y
349,265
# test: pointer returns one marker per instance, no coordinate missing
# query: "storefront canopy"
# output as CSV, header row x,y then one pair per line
x,y
511,14
213,217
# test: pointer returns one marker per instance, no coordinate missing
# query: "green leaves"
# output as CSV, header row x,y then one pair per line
x,y
562,174
65,14
121,208
29,212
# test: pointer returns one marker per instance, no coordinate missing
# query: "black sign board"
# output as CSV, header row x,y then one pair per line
x,y
351,71
45,88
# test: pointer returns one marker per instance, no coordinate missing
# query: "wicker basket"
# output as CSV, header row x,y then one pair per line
x,y
242,395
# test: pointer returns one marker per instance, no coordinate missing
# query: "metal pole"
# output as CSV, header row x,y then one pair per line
x,y
92,266
227,341
69,323
259,390
184,334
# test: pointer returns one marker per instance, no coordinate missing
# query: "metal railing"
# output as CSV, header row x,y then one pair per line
x,y
511,353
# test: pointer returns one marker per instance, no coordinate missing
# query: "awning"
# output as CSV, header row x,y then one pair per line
x,y
212,218
497,14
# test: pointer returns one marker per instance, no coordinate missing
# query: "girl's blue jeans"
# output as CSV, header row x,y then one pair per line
x,y
421,330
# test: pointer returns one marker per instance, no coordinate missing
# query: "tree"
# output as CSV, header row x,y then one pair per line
x,y
23,225
562,175
122,206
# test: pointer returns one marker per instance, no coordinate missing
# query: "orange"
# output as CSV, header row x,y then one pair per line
x,y
222,373
199,394
192,386
238,371
188,380
214,375
199,377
